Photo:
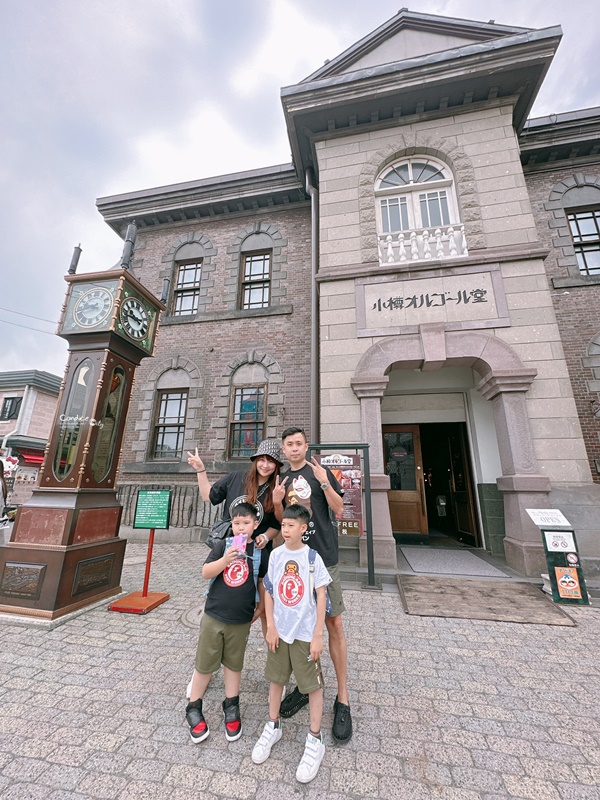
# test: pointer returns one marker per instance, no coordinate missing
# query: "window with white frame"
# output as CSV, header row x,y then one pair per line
x,y
256,280
585,230
186,289
417,209
169,426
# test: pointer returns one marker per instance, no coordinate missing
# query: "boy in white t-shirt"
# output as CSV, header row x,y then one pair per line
x,y
295,625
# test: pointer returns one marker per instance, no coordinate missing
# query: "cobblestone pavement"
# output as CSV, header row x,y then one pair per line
x,y
445,709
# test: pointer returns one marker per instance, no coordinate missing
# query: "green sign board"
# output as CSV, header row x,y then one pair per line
x,y
152,508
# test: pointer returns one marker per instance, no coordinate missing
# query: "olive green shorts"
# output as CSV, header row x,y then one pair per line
x,y
335,591
294,657
221,643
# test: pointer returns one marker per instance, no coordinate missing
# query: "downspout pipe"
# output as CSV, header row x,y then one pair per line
x,y
312,191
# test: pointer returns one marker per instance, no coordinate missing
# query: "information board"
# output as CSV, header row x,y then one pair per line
x,y
347,471
562,556
152,509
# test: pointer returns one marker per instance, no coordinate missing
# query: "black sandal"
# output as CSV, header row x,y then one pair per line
x,y
292,703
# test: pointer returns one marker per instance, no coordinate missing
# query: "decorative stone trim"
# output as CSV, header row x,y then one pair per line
x,y
278,264
147,405
369,387
420,143
167,269
557,205
275,400
500,381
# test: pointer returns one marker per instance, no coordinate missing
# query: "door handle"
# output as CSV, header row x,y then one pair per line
x,y
422,495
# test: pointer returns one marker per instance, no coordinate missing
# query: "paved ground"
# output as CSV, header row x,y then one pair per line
x,y
444,709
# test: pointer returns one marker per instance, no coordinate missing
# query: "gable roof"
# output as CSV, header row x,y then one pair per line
x,y
409,34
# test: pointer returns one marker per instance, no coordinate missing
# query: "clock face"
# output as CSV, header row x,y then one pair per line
x,y
134,318
93,307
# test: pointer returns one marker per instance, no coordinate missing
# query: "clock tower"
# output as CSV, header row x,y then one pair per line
x,y
65,552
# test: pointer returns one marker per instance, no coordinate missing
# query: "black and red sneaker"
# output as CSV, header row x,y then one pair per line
x,y
195,719
231,716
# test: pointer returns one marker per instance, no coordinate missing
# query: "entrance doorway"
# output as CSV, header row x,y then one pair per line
x,y
431,482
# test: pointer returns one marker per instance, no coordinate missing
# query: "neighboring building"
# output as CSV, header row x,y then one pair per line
x,y
28,400
456,247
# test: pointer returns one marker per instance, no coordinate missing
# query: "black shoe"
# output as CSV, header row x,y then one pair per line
x,y
342,722
195,719
231,717
292,703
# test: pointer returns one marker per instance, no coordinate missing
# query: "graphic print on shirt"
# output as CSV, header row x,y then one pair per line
x,y
299,494
258,505
291,585
236,574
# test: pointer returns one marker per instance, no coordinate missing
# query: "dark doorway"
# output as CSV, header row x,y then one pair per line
x,y
448,481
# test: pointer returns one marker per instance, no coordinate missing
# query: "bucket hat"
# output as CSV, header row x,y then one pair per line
x,y
269,448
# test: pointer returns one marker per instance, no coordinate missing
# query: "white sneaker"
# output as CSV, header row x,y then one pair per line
x,y
262,749
314,750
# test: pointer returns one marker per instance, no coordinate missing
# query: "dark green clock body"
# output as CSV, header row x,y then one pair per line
x,y
111,302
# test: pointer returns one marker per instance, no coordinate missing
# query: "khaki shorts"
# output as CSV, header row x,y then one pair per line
x,y
335,591
294,658
221,643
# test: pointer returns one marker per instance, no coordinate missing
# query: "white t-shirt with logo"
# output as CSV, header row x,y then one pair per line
x,y
295,610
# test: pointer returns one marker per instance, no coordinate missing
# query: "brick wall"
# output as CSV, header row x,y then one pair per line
x,y
209,349
577,307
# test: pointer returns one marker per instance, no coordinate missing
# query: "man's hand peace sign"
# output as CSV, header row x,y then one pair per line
x,y
279,490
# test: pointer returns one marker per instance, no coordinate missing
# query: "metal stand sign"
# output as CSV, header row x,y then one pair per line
x,y
152,511
562,557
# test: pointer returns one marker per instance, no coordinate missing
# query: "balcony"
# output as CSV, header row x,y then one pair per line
x,y
423,245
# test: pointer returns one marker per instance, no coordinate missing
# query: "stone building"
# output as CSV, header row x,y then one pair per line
x,y
438,255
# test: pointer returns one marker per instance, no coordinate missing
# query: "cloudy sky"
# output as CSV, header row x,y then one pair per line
x,y
107,96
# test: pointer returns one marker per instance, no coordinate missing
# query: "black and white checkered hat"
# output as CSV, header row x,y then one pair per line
x,y
269,448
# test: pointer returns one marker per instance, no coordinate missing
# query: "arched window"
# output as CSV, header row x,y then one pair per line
x,y
187,276
582,207
248,410
170,415
255,271
417,212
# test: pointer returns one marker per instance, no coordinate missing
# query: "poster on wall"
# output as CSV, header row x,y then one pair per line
x,y
347,471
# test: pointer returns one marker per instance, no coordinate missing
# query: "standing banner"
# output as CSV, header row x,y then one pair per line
x,y
347,471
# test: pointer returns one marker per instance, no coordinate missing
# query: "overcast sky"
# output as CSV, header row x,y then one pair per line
x,y
107,96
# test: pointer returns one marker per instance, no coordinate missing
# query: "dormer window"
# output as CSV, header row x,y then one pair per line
x,y
417,212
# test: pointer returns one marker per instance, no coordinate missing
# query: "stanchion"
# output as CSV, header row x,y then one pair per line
x,y
154,507
144,601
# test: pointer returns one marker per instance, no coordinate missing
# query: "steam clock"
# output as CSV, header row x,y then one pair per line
x,y
64,552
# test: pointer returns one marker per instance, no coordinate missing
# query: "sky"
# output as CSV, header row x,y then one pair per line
x,y
101,97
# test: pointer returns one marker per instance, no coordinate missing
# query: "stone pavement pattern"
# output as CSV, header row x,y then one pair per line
x,y
443,709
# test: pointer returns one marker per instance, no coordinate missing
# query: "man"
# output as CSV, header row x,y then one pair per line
x,y
309,484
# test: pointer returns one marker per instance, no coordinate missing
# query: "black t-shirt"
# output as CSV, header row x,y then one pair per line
x,y
232,595
230,488
302,488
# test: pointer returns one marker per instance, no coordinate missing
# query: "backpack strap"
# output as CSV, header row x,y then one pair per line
x,y
256,559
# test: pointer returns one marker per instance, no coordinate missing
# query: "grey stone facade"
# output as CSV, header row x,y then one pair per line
x,y
505,322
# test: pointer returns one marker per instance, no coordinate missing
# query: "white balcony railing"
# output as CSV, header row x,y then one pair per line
x,y
422,245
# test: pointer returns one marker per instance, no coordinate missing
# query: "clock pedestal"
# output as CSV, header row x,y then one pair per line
x,y
65,552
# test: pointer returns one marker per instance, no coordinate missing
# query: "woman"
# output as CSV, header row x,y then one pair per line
x,y
254,486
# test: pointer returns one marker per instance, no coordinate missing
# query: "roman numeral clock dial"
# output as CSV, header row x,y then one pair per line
x,y
93,307
134,318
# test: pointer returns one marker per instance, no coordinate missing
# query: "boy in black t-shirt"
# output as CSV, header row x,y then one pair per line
x,y
229,611
308,484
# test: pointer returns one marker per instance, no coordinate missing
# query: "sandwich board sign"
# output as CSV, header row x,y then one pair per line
x,y
562,556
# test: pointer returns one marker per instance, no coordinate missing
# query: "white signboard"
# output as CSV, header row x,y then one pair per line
x,y
548,516
447,298
560,541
